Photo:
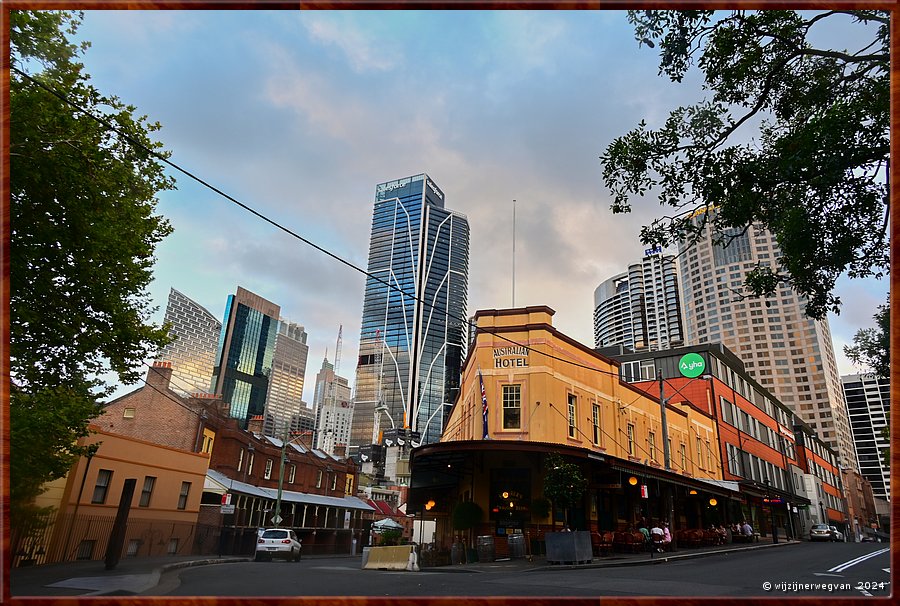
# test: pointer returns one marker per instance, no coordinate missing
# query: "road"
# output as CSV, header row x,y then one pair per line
x,y
807,569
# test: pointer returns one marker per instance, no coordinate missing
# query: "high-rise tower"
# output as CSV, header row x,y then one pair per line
x,y
413,333
331,401
869,402
641,308
193,352
787,352
245,354
285,392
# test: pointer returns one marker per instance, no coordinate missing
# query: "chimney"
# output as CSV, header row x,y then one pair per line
x,y
255,424
159,375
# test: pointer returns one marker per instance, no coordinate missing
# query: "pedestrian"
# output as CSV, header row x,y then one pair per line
x,y
667,535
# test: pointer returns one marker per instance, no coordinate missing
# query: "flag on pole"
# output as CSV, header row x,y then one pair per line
x,y
484,409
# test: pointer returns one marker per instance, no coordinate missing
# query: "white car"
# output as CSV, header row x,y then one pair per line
x,y
836,534
278,543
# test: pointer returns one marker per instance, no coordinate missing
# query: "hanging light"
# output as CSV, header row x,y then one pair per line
x,y
632,480
713,502
692,491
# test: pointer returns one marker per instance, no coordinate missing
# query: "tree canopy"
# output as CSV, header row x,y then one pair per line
x,y
872,346
564,483
793,137
83,231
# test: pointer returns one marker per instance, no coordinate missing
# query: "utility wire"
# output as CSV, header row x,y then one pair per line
x,y
277,225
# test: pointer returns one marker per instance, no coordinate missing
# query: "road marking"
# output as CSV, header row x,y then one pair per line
x,y
827,574
854,562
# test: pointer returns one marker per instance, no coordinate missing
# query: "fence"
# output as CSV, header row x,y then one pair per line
x,y
62,538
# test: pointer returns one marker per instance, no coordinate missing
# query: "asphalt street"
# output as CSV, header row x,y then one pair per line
x,y
804,569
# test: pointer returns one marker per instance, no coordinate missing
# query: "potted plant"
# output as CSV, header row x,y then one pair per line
x,y
564,485
465,516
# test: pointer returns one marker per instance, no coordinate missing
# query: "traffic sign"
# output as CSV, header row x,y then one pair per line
x,y
227,509
276,519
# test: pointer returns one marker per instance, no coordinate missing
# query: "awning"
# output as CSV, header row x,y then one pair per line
x,y
221,483
387,524
716,487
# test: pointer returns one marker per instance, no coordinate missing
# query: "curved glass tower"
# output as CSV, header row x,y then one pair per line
x,y
412,338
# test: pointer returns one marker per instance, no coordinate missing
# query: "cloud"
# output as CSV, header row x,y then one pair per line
x,y
363,51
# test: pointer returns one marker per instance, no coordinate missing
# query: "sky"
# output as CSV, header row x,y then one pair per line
x,y
300,114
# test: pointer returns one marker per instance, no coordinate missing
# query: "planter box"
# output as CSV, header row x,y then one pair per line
x,y
569,547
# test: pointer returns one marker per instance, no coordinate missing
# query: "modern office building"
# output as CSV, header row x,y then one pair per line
x,y
285,394
869,402
641,308
413,334
192,353
787,352
334,409
245,354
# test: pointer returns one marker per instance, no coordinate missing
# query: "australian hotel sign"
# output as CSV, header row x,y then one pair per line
x,y
510,357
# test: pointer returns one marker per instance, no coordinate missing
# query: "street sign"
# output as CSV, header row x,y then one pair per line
x,y
226,498
276,519
227,509
691,365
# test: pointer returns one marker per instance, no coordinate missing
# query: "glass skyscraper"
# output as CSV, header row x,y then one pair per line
x,y
869,402
193,352
413,332
246,351
640,308
285,392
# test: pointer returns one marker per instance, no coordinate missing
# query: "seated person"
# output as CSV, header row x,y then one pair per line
x,y
657,536
643,530
746,529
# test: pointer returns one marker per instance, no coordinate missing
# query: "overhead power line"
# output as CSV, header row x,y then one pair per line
x,y
62,97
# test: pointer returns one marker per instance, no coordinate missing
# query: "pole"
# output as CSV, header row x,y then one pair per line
x,y
117,536
277,518
662,416
514,255
772,510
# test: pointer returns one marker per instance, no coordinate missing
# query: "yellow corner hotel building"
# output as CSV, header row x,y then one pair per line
x,y
547,393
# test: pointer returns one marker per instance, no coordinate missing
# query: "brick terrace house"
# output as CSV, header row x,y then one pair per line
x,y
317,489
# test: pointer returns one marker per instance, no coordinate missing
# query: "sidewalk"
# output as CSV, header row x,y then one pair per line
x,y
134,576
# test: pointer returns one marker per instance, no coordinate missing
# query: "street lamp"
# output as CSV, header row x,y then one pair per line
x,y
276,519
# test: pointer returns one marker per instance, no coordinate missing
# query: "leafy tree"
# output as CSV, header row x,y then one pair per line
x,y
82,237
872,346
466,515
564,483
793,138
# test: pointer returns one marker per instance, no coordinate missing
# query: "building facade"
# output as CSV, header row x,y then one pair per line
x,y
869,402
334,409
284,399
245,354
784,350
546,394
412,337
763,444
641,308
192,353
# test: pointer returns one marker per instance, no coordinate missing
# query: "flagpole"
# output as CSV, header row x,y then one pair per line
x,y
514,255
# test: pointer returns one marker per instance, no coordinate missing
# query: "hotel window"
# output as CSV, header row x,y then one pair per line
x,y
699,453
183,495
240,459
334,482
250,464
630,439
709,464
128,413
104,477
681,451
268,473
147,491
319,479
572,400
512,407
291,474
651,442
595,422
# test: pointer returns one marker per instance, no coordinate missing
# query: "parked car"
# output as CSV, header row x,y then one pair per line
x,y
836,534
820,532
278,543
